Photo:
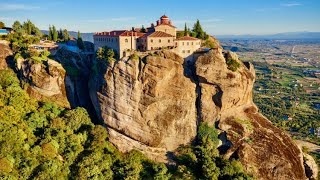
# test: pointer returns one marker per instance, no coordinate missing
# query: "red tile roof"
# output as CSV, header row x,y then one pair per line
x,y
164,17
119,33
187,38
167,25
132,33
157,34
110,34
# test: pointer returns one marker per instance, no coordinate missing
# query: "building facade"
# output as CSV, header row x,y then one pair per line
x,y
163,35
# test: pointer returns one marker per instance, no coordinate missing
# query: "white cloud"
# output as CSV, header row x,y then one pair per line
x,y
122,19
201,20
291,4
16,7
6,19
95,20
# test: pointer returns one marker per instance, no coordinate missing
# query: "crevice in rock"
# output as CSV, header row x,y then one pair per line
x,y
217,98
226,144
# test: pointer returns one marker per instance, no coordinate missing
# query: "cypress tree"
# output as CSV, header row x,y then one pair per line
x,y
185,30
197,29
66,36
80,41
50,33
60,35
54,34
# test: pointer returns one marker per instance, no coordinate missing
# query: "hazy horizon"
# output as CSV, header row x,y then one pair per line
x,y
230,17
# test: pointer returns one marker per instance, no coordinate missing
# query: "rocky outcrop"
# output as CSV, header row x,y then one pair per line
x,y
155,103
226,99
45,80
5,54
148,104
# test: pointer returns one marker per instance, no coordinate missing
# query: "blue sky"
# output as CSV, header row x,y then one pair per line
x,y
217,17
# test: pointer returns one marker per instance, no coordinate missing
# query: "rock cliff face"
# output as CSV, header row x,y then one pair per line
x,y
46,80
5,53
154,104
148,104
226,99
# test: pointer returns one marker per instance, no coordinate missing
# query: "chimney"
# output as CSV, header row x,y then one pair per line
x,y
158,22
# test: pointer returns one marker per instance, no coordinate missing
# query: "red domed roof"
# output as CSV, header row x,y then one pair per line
x,y
164,17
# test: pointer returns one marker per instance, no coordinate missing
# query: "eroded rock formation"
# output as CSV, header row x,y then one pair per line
x,y
154,105
265,151
45,80
148,104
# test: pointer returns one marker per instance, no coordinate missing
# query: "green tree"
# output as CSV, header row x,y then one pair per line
x,y
66,36
50,38
54,34
16,26
185,33
143,30
197,29
80,41
60,35
2,25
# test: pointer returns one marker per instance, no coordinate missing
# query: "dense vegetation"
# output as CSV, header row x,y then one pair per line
x,y
40,140
289,106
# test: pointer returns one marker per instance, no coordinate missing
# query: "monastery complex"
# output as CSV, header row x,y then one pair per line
x,y
161,35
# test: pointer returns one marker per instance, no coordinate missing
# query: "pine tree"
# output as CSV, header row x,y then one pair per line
x,y
60,34
54,34
16,26
186,33
143,30
80,41
197,29
50,33
66,36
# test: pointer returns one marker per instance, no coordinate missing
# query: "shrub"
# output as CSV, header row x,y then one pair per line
x,y
232,64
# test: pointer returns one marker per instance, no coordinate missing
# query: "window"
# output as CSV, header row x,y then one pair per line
x,y
192,43
112,40
151,48
183,51
187,43
151,41
159,40
188,51
182,43
168,40
126,40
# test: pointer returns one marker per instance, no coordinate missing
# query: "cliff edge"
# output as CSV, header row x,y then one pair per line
x,y
154,103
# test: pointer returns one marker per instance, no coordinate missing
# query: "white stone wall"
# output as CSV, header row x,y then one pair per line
x,y
185,48
111,42
167,29
159,42
127,44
